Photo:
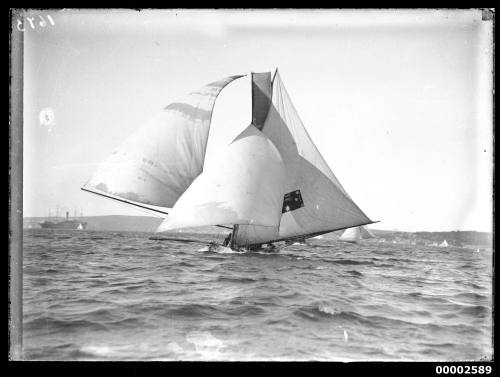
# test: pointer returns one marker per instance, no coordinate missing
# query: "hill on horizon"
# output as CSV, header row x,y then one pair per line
x,y
151,223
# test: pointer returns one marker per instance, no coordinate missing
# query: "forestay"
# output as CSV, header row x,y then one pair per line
x,y
155,165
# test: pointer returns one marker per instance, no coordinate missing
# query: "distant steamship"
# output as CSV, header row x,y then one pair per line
x,y
64,224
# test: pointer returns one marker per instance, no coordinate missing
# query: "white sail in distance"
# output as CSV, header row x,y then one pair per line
x,y
356,234
351,235
244,185
314,200
366,233
156,164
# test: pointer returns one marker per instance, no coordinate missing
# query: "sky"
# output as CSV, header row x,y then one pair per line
x,y
399,103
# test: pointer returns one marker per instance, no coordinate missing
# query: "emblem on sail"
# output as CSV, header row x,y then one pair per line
x,y
292,201
274,184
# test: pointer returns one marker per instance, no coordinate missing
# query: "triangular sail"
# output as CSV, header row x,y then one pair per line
x,y
355,234
351,235
243,186
314,201
156,164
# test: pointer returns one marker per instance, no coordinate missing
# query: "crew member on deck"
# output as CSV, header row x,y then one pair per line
x,y
227,240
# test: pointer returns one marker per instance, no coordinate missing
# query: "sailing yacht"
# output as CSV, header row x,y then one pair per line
x,y
271,184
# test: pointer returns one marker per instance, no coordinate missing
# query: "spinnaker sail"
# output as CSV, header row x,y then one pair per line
x,y
156,164
244,186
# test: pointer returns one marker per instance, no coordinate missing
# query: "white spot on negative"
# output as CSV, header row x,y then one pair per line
x,y
47,118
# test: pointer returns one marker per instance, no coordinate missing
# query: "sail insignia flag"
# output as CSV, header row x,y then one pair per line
x,y
292,201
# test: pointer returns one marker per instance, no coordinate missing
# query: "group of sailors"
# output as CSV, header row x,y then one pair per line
x,y
269,246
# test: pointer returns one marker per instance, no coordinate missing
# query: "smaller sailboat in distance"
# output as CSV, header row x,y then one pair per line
x,y
271,184
444,244
353,235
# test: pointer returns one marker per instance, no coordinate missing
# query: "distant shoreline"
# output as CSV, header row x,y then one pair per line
x,y
150,224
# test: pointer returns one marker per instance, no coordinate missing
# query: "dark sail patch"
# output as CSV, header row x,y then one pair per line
x,y
292,200
261,97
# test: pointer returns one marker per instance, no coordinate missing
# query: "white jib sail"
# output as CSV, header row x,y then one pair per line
x,y
244,185
157,163
324,205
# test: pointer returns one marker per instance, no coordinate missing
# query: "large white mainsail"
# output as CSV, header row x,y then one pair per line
x,y
156,164
244,185
314,200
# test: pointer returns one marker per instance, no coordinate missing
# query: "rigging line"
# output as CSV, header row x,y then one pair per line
x,y
137,205
223,226
124,201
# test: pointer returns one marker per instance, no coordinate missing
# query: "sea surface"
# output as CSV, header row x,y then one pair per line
x,y
91,295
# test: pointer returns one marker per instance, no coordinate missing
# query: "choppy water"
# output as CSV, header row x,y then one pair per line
x,y
121,296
